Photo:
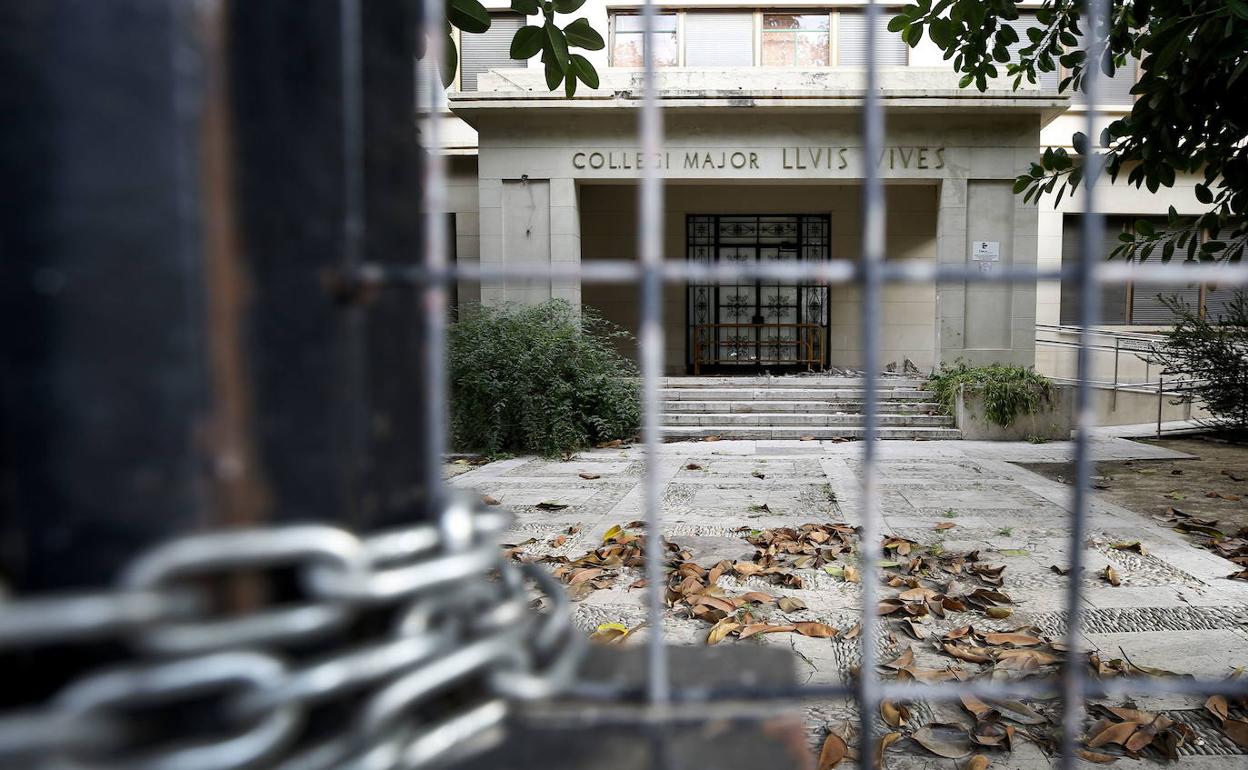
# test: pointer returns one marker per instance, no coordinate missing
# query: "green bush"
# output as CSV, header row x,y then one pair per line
x,y
1008,391
1214,353
544,379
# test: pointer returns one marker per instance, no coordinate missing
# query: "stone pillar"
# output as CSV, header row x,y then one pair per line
x,y
529,221
980,322
951,250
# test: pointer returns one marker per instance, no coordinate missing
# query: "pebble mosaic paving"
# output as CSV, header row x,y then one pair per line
x,y
1174,604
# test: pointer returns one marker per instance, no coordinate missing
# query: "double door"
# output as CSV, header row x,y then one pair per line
x,y
761,325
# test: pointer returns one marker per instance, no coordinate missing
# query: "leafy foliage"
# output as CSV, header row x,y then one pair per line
x,y
1188,117
1008,391
550,40
1214,352
539,379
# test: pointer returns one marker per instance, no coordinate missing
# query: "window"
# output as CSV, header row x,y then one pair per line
x,y
796,40
719,39
489,50
627,41
851,41
1117,89
1124,304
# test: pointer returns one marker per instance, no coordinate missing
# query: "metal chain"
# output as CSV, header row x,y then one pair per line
x,y
461,640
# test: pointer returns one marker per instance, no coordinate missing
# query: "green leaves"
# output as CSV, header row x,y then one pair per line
x,y
526,7
582,35
562,66
468,16
568,6
527,43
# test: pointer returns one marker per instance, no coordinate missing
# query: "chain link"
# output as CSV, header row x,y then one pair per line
x,y
433,681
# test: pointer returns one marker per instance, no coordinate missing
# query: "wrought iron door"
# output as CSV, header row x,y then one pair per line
x,y
756,325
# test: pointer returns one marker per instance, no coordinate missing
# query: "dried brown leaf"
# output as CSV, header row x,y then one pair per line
x,y
1111,576
589,476
490,500
894,714
818,630
758,596
834,750
944,739
721,630
903,660
1015,640
999,613
1236,730
791,604
1118,733
763,628
1217,706
977,762
1096,757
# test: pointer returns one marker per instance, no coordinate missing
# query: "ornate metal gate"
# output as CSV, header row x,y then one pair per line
x,y
760,324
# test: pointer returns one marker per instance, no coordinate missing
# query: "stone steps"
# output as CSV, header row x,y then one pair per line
x,y
679,432
788,394
797,407
805,407
911,383
786,419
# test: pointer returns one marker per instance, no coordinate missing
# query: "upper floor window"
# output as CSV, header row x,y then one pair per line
x,y
627,41
719,39
489,50
851,41
796,40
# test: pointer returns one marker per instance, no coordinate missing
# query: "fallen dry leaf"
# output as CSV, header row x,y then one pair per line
x,y
806,438
818,630
1015,640
1118,733
489,500
1236,730
589,476
977,762
894,714
758,596
1217,706
791,604
999,613
754,629
1111,576
746,568
903,660
710,438
943,739
1096,757
833,751
946,525
693,467
721,630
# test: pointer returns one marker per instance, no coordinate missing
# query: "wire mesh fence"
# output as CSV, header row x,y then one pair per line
x,y
444,624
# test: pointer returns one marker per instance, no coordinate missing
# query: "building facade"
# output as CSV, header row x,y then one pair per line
x,y
763,161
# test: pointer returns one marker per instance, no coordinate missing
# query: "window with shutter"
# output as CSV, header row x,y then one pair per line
x,y
489,50
719,39
1148,307
1115,90
851,41
1113,298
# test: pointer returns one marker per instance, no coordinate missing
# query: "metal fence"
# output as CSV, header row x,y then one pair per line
x,y
349,575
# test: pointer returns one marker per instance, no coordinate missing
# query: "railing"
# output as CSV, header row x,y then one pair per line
x,y
807,345
1136,343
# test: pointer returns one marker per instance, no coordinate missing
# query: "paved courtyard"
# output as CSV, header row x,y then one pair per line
x,y
1173,609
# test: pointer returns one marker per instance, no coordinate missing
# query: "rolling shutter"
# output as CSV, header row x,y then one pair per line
x,y
719,39
1113,298
489,50
851,40
1147,309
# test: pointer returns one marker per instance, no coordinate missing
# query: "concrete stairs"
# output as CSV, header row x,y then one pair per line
x,y
795,407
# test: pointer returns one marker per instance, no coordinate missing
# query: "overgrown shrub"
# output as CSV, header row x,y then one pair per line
x,y
1008,391
543,378
1214,353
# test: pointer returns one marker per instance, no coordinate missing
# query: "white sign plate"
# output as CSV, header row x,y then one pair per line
x,y
986,251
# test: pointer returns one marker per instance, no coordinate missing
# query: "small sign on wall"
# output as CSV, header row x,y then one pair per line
x,y
986,251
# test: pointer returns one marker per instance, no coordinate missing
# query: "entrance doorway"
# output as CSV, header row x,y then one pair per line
x,y
757,326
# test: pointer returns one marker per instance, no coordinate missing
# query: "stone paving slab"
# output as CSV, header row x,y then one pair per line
x,y
1174,609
